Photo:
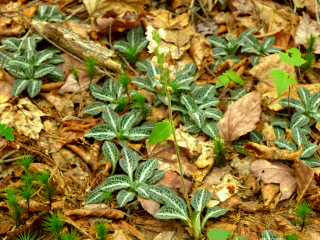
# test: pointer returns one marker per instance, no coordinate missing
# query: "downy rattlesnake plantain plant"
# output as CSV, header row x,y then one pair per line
x,y
136,42
29,65
145,174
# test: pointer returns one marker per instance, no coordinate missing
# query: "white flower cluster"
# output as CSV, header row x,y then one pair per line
x,y
153,44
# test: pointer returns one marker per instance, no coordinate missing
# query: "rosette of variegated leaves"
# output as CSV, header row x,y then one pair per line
x,y
134,45
226,49
307,113
137,181
29,65
194,102
121,128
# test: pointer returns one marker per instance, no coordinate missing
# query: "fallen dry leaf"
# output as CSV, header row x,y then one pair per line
x,y
304,175
275,172
305,28
72,84
265,66
201,50
97,8
241,117
243,5
269,192
6,81
120,235
271,153
150,205
25,117
129,229
5,225
11,26
60,102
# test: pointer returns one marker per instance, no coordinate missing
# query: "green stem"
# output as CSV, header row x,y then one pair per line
x,y
177,150
313,122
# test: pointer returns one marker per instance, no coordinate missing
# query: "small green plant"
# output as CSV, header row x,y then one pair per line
x,y
282,79
292,236
310,57
53,224
255,136
102,231
136,42
6,132
226,77
145,174
176,208
227,49
74,71
26,236
72,235
139,102
258,49
48,187
121,128
218,234
48,13
29,65
303,211
90,65
219,151
27,188
16,210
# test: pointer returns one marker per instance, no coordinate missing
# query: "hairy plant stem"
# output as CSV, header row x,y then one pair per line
x,y
177,150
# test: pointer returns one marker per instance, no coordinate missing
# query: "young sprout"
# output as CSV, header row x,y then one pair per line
x,y
302,213
220,152
53,224
26,236
70,235
102,231
13,202
26,192
292,236
48,188
90,64
26,162
74,71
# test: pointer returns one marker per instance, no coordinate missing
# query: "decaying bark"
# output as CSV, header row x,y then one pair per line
x,y
77,45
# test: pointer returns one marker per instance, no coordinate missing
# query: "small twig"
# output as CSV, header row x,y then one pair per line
x,y
14,159
188,6
203,8
129,66
8,155
22,8
74,13
80,229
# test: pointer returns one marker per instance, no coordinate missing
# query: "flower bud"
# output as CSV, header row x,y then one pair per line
x,y
156,64
157,77
165,66
169,89
159,86
173,77
154,59
171,68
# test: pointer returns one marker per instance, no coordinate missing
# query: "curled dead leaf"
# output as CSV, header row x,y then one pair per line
x,y
271,153
106,213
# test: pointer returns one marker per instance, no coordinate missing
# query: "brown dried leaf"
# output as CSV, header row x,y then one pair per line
x,y
97,8
11,26
201,50
106,213
241,117
25,117
6,81
120,235
150,205
275,172
304,175
271,153
60,102
72,85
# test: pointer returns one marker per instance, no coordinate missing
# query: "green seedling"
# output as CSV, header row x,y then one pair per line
x,y
6,132
25,162
218,234
72,235
282,79
176,208
310,57
26,192
74,71
139,102
90,65
102,231
226,77
26,236
136,42
16,210
303,211
48,187
292,236
219,151
54,224
29,65
145,174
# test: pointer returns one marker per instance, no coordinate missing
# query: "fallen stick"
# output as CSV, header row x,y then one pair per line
x,y
77,45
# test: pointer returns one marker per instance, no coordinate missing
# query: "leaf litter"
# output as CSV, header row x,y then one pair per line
x,y
52,125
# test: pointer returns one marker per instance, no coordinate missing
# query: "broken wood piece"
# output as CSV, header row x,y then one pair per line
x,y
77,45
